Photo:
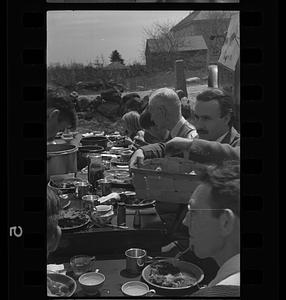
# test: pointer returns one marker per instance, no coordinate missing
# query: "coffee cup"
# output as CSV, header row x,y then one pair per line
x,y
135,260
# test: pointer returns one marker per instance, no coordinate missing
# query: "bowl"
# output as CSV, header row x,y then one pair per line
x,y
69,285
103,209
102,219
63,185
91,282
80,264
135,289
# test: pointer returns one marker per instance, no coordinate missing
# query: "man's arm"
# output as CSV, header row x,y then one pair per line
x,y
154,150
212,152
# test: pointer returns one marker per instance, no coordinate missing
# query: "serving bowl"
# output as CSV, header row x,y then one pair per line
x,y
70,284
91,282
188,268
63,185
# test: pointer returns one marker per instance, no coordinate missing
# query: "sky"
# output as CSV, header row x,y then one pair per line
x,y
81,36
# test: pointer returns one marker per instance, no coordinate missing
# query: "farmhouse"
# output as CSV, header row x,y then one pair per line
x,y
161,54
211,25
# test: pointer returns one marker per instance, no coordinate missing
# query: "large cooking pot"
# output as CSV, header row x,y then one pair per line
x,y
95,141
83,154
62,159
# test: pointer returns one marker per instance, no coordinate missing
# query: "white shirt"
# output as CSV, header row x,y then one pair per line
x,y
228,273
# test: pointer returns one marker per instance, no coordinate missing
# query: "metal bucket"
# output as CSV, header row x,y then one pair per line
x,y
62,159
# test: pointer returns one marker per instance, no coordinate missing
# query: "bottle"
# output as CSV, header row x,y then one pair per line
x,y
137,219
95,169
121,214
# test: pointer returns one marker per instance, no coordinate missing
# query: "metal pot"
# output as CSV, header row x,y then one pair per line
x,y
83,154
62,159
95,141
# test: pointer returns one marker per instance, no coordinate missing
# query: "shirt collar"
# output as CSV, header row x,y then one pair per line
x,y
220,139
229,268
174,132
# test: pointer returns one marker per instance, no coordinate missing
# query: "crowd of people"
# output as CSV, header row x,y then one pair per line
x,y
210,227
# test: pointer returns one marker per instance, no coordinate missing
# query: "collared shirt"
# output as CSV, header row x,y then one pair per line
x,y
174,132
220,139
229,273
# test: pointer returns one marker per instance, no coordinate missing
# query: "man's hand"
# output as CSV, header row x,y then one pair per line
x,y
177,145
137,159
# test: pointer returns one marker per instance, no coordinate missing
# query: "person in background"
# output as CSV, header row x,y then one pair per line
x,y
213,221
131,124
61,114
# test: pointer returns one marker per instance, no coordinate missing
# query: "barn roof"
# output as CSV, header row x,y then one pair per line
x,y
202,15
188,43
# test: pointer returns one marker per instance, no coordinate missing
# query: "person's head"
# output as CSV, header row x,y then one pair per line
x,y
53,230
213,114
213,218
165,108
131,123
61,114
148,125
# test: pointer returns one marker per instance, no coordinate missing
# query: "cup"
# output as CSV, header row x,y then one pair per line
x,y
81,264
82,189
135,260
125,155
103,209
88,201
104,186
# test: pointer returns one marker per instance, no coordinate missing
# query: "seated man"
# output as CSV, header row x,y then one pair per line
x,y
213,220
61,114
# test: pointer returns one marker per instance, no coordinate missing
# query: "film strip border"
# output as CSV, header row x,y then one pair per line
x,y
27,150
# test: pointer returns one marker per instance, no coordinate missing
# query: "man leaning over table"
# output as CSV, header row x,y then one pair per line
x,y
61,115
165,109
213,221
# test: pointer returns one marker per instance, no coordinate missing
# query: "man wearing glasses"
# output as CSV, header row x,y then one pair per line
x,y
213,221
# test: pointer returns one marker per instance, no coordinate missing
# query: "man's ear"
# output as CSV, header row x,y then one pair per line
x,y
227,221
226,118
53,114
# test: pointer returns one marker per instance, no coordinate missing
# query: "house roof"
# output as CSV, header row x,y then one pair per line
x,y
202,15
188,43
116,66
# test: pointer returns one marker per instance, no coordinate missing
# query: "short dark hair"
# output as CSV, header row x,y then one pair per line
x,y
225,101
224,181
145,119
65,105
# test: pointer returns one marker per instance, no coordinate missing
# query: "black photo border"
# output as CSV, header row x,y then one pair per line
x,y
24,116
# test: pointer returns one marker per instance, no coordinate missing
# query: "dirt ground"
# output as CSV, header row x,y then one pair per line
x,y
100,123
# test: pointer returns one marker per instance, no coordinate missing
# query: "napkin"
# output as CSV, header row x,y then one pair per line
x,y
113,195
56,268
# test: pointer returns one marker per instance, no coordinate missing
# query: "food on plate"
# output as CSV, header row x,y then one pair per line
x,y
72,218
64,183
166,274
57,288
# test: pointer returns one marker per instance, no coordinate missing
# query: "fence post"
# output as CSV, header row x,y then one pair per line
x,y
180,76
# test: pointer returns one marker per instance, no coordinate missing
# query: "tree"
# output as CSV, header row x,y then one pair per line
x,y
163,40
116,57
